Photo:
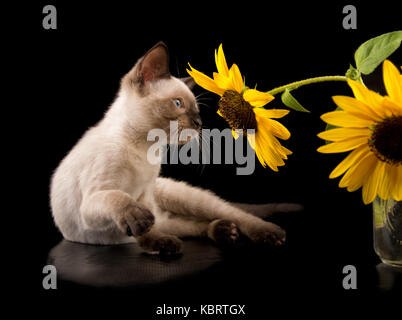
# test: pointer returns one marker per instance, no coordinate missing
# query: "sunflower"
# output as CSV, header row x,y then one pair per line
x,y
242,108
370,125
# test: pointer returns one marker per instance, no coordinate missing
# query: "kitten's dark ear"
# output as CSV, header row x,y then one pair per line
x,y
154,65
189,81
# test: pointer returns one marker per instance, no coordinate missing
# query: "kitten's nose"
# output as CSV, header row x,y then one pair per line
x,y
197,122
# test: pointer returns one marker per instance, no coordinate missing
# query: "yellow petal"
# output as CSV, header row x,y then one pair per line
x,y
278,129
287,152
235,134
373,181
257,98
344,133
251,140
259,152
236,78
384,191
354,157
393,108
220,62
370,98
396,182
223,82
205,81
359,90
264,151
270,113
398,186
343,145
392,81
280,150
270,143
344,119
273,126
356,107
357,174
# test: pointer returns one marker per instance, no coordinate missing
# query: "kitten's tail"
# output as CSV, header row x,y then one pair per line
x,y
266,210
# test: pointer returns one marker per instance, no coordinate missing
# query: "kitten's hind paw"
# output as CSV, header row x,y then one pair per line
x,y
267,233
163,245
223,232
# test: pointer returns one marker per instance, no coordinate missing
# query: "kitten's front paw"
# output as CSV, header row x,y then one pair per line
x,y
267,233
163,245
136,220
223,232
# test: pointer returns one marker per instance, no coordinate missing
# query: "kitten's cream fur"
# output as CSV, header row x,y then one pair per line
x,y
104,190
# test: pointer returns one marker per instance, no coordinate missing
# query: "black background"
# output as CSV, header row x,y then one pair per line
x,y
68,77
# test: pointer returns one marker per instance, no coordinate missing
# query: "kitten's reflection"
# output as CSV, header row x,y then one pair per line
x,y
127,265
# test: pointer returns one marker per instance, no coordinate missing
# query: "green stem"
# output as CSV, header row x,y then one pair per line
x,y
297,84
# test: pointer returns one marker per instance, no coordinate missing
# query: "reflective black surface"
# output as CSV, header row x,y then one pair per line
x,y
243,266
127,265
389,278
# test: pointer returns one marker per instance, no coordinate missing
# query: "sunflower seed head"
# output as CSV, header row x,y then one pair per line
x,y
237,111
386,140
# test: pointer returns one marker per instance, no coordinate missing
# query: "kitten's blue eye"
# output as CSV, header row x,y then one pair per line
x,y
178,104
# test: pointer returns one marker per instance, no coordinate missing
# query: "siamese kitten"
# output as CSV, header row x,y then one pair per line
x,y
106,192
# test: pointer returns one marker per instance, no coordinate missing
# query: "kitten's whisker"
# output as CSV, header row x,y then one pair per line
x,y
202,166
199,97
203,99
205,105
202,94
177,67
213,142
208,142
201,141
204,139
205,143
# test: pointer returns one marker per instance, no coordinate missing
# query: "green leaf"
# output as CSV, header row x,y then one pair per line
x,y
374,51
289,101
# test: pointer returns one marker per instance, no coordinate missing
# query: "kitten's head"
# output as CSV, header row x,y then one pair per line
x,y
155,97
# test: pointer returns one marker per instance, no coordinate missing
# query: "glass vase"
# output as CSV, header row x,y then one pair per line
x,y
388,231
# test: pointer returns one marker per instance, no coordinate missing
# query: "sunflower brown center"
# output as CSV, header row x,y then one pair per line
x,y
386,140
237,111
